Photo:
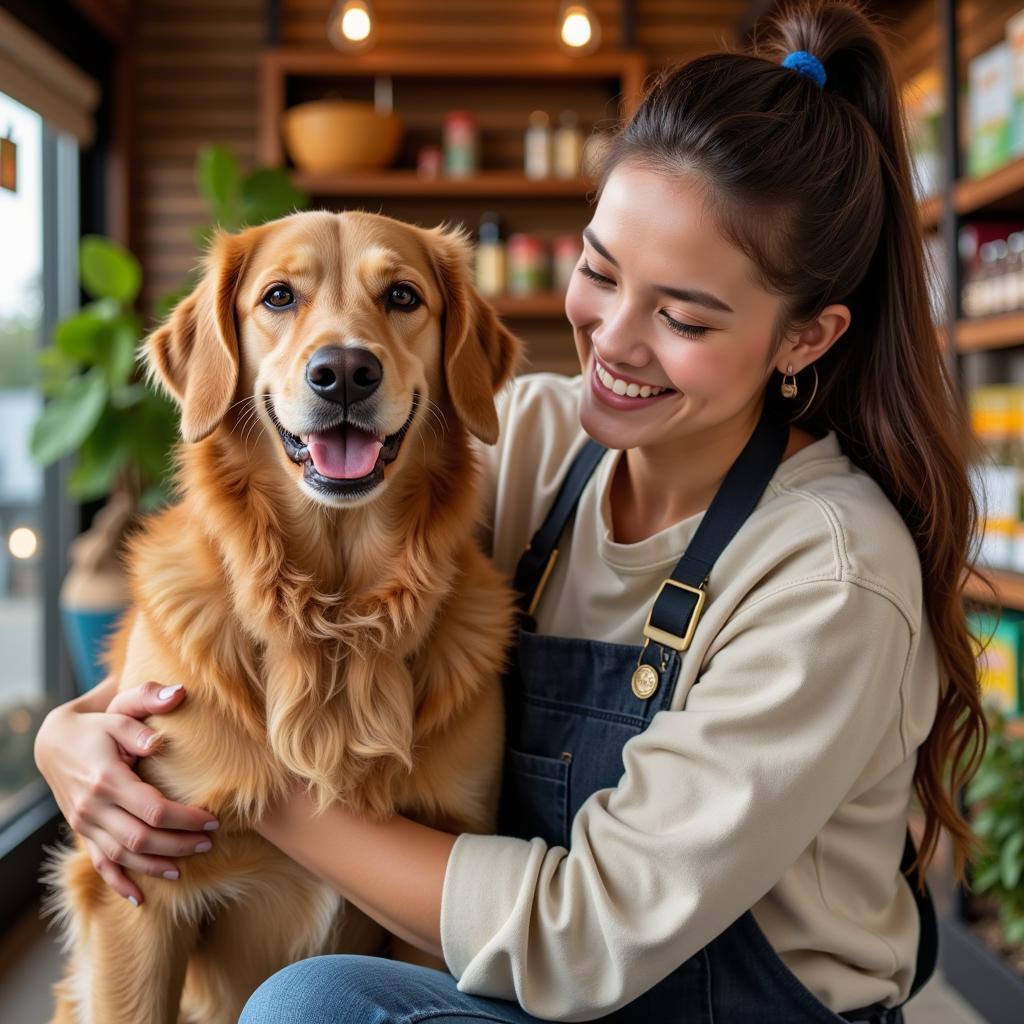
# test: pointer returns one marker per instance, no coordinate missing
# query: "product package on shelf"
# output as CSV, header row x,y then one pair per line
x,y
997,418
992,256
1015,39
989,104
999,646
922,102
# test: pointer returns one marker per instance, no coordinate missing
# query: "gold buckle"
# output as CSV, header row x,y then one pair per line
x,y
660,636
543,581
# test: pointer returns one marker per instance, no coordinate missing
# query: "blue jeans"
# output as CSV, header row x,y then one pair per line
x,y
349,989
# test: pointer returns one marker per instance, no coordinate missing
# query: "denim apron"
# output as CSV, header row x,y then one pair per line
x,y
571,706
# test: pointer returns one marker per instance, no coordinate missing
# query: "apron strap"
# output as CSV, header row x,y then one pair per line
x,y
538,559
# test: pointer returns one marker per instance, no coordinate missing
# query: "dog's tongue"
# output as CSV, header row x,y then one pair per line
x,y
344,453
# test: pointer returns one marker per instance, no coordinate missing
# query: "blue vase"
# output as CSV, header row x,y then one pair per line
x,y
86,631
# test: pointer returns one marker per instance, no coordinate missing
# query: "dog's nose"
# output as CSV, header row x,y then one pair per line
x,y
344,375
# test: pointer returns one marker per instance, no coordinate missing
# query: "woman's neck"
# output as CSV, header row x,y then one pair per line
x,y
653,488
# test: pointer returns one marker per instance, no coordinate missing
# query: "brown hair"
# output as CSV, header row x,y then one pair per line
x,y
814,185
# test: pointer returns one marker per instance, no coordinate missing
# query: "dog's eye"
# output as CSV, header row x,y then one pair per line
x,y
278,297
403,296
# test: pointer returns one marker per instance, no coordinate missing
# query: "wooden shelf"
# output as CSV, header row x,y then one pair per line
x,y
502,184
306,60
1009,588
541,306
1002,331
624,70
1002,189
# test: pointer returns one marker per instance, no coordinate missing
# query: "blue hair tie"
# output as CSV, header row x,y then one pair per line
x,y
807,64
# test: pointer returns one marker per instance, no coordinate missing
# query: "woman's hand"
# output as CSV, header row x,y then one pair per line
x,y
86,756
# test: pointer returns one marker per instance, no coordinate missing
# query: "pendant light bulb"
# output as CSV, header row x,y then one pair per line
x,y
351,25
579,31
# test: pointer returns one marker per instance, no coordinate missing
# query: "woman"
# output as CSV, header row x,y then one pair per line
x,y
710,756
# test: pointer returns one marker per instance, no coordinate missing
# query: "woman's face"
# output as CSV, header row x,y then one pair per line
x,y
674,307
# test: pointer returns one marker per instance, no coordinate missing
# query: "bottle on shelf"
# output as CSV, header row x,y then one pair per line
x,y
461,144
568,146
1000,278
528,265
995,411
987,285
490,256
566,251
537,146
1015,270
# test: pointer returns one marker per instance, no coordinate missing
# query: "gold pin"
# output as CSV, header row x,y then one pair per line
x,y
645,682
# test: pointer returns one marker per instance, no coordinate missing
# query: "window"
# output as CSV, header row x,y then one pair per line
x,y
38,257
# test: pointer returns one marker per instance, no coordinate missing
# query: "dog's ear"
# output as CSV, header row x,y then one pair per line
x,y
194,353
480,354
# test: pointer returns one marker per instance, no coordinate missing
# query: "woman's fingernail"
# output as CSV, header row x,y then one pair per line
x,y
203,847
133,901
211,826
169,691
171,875
151,739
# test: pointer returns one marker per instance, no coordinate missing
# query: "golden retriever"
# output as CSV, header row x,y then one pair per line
x,y
319,590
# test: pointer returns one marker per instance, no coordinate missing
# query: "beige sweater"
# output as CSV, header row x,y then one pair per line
x,y
779,784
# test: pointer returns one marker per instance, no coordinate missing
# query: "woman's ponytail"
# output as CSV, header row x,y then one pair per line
x,y
813,183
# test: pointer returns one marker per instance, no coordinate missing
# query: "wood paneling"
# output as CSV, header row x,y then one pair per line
x,y
195,83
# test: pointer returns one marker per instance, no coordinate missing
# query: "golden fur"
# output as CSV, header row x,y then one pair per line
x,y
357,645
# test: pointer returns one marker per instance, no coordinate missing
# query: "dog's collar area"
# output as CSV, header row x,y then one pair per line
x,y
298,452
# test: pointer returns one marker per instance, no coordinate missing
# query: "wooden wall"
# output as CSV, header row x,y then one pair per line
x,y
196,82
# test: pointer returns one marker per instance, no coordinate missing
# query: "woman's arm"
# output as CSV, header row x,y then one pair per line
x,y
392,870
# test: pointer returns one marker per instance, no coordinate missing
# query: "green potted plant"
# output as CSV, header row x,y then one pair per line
x,y
997,818
101,408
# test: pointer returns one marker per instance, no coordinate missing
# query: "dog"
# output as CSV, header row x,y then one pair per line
x,y
318,587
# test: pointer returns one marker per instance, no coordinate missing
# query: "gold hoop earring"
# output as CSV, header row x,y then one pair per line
x,y
814,391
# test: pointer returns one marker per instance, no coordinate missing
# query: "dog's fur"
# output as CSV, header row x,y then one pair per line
x,y
354,642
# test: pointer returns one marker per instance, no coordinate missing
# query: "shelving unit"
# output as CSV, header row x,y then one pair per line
x,y
963,30
501,89
492,184
981,334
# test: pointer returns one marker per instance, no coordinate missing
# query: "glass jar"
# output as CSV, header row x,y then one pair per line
x,y
568,155
461,144
528,265
537,146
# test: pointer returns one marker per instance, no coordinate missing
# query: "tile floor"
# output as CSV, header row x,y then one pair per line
x,y
30,963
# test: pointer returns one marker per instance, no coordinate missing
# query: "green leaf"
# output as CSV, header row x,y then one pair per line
x,y
985,878
985,823
155,497
219,178
119,358
99,463
268,194
109,270
985,784
56,369
1011,861
69,419
129,395
1015,931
